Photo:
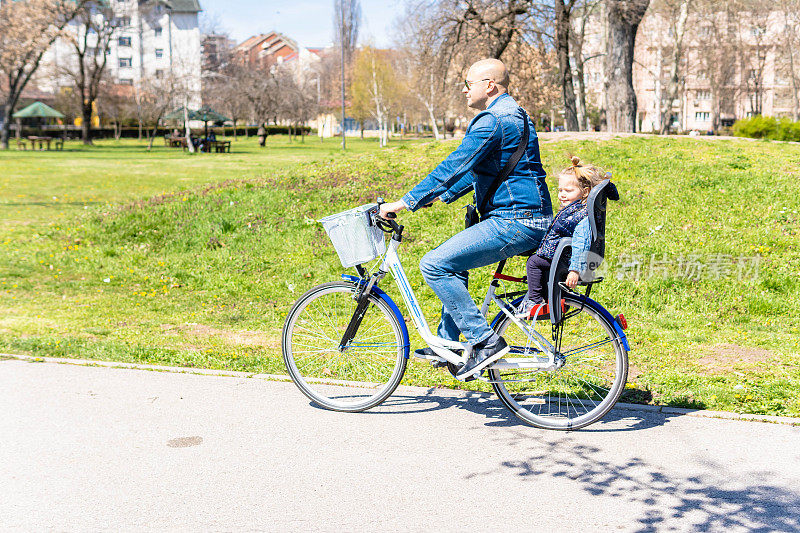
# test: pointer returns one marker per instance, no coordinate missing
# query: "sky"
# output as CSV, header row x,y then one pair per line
x,y
309,22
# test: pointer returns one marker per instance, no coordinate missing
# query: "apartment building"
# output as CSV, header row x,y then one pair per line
x,y
746,71
267,50
217,51
154,39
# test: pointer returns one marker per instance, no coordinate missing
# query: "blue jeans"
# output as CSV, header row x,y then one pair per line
x,y
446,267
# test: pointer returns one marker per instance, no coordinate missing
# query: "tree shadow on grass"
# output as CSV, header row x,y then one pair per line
x,y
668,501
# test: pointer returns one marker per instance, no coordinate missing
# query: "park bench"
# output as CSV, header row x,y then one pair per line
x,y
222,146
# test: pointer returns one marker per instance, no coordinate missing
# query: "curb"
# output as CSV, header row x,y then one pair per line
x,y
666,410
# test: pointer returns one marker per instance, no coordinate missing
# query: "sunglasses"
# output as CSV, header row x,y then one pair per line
x,y
468,84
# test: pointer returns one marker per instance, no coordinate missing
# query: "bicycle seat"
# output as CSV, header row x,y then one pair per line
x,y
596,208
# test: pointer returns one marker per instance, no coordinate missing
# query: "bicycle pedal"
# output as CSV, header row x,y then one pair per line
x,y
438,363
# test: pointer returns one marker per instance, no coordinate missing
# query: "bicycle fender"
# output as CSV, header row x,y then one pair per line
x,y
393,306
603,311
591,303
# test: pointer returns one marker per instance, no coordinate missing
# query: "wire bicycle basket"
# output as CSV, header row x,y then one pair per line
x,y
354,236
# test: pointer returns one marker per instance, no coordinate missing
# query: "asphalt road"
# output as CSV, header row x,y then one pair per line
x,y
89,448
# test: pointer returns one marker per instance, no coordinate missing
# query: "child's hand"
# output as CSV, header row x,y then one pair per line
x,y
572,279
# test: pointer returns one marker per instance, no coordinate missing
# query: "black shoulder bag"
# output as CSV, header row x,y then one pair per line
x,y
473,215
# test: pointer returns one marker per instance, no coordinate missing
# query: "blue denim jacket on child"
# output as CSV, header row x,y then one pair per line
x,y
491,138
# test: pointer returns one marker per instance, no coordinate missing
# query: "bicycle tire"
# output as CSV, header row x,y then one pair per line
x,y
579,393
355,379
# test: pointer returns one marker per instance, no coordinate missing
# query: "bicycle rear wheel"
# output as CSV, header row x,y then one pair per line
x,y
360,376
583,390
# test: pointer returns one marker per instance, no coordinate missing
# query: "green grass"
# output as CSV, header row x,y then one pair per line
x,y
170,258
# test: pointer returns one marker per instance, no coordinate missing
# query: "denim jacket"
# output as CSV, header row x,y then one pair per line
x,y
581,240
491,138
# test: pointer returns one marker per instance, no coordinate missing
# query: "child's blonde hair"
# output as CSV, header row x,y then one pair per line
x,y
587,176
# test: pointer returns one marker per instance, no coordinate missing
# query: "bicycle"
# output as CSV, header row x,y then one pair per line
x,y
345,343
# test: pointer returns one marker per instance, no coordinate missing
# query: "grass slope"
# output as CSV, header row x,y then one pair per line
x,y
204,274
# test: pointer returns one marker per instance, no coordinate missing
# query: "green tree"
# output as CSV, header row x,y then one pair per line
x,y
374,89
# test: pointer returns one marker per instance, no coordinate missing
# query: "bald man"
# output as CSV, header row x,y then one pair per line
x,y
514,220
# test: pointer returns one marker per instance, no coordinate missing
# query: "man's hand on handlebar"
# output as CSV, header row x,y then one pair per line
x,y
391,207
396,207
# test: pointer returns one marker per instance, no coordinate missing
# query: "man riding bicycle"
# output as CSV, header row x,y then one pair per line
x,y
513,221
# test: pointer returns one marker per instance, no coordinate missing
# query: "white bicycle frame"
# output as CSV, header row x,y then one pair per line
x,y
444,348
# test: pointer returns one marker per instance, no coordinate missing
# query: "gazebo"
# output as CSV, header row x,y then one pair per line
x,y
204,115
36,110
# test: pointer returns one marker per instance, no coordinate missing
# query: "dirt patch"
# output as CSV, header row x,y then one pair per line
x,y
230,336
722,358
634,373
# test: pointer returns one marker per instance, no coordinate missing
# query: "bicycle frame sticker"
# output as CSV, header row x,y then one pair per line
x,y
393,262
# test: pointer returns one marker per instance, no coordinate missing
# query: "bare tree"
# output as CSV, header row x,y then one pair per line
x,y
790,60
27,29
115,103
260,94
585,12
623,18
96,25
424,63
346,23
67,104
754,43
486,26
678,14
717,50
563,11
154,98
225,91
535,76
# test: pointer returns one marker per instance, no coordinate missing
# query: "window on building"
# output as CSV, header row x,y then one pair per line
x,y
702,116
702,75
124,21
159,53
159,74
752,74
704,95
125,62
158,30
783,98
124,41
125,81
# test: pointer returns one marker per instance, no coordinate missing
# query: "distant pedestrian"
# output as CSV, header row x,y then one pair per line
x,y
262,135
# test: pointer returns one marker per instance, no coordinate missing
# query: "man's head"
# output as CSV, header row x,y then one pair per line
x,y
486,80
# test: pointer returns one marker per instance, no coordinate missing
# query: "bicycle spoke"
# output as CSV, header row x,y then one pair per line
x,y
374,355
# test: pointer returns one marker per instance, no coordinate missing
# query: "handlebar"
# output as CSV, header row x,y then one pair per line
x,y
387,224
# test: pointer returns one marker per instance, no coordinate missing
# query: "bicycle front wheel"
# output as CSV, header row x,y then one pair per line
x,y
355,378
587,381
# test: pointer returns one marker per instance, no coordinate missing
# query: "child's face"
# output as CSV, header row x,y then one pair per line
x,y
569,190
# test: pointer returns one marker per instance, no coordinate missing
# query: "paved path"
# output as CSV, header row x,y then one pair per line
x,y
90,448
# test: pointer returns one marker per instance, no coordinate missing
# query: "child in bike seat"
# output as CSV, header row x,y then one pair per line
x,y
574,184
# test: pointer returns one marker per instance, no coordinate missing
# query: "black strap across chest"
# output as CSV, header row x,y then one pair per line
x,y
509,166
